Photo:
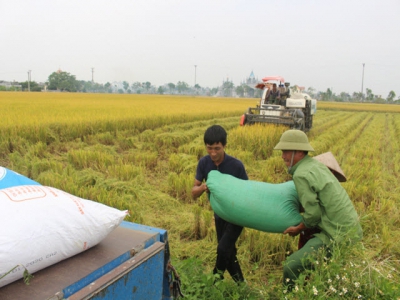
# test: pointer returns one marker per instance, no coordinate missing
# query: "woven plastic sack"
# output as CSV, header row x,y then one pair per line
x,y
41,226
9,178
259,205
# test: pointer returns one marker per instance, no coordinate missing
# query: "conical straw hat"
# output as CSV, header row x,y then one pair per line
x,y
329,160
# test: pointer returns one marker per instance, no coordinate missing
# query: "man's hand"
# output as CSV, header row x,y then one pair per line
x,y
292,231
204,187
198,189
295,230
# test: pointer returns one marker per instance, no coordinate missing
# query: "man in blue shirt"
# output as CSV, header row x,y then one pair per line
x,y
215,139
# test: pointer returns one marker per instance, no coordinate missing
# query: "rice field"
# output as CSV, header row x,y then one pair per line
x,y
139,153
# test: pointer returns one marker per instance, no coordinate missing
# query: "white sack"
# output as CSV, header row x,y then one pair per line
x,y
41,226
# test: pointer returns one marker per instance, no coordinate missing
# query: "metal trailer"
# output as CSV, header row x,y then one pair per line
x,y
132,262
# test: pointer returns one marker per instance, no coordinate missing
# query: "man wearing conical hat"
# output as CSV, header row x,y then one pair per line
x,y
327,206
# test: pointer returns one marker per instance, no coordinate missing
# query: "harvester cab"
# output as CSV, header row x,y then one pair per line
x,y
291,107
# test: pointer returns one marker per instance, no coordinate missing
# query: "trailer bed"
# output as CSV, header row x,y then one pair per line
x,y
85,275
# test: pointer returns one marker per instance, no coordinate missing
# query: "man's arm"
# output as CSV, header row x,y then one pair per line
x,y
198,189
310,202
266,100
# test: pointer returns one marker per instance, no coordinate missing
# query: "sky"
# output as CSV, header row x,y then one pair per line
x,y
344,45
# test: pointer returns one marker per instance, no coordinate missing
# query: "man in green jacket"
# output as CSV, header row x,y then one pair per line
x,y
326,204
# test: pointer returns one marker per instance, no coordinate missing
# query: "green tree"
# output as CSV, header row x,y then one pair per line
x,y
357,96
86,86
160,90
171,87
146,85
125,85
257,93
329,94
311,92
248,91
93,87
227,88
98,88
196,89
182,86
15,88
136,86
370,96
240,91
213,91
108,88
343,97
33,86
90,87
391,96
63,81
323,96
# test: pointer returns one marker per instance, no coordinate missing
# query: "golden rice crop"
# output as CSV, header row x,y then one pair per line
x,y
139,152
63,116
20,109
350,106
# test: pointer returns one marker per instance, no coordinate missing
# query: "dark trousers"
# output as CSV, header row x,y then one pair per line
x,y
227,235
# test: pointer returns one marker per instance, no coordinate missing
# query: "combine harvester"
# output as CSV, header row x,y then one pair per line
x,y
294,109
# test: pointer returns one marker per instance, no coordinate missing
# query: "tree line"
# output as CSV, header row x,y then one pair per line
x,y
65,82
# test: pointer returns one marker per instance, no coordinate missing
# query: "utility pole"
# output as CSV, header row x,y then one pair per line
x,y
362,84
29,80
92,74
195,66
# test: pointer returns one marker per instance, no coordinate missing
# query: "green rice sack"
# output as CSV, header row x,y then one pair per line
x,y
259,205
